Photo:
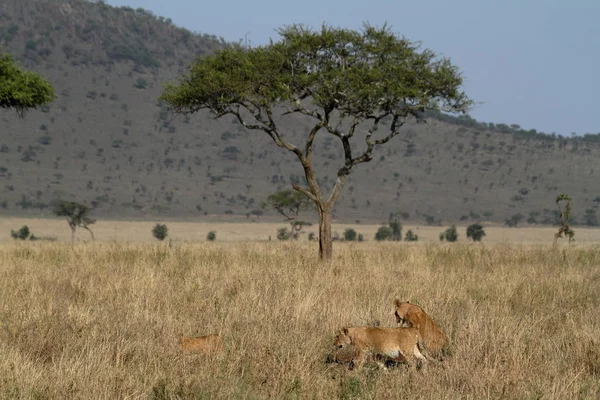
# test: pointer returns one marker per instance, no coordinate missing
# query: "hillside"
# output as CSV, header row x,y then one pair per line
x,y
107,141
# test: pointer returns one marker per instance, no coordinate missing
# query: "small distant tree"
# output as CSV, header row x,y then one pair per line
x,y
350,235
22,90
21,234
289,203
383,233
475,232
160,231
563,202
257,213
450,234
211,236
410,236
283,234
76,215
396,227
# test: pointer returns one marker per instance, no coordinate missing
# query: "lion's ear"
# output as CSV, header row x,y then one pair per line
x,y
408,301
344,331
397,302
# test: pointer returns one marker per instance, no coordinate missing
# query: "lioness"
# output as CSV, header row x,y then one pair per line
x,y
212,344
399,344
434,339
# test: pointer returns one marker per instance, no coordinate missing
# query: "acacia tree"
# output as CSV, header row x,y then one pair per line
x,y
289,203
22,90
76,215
563,201
351,84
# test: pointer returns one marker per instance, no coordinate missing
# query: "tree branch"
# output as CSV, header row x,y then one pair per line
x,y
306,192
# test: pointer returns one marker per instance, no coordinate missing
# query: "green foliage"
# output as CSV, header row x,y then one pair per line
x,y
21,234
350,235
140,83
160,231
312,236
563,202
450,234
396,227
211,236
355,72
475,232
288,203
22,90
283,234
410,236
383,233
76,215
361,237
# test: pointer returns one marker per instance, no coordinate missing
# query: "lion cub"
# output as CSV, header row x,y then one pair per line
x,y
209,344
399,344
434,339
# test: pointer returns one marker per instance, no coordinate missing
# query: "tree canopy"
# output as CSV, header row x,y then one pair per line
x,y
76,215
22,90
339,78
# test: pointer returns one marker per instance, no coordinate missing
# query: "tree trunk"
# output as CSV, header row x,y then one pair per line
x,y
325,240
73,234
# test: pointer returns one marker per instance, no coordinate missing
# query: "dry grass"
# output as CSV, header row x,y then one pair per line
x,y
102,321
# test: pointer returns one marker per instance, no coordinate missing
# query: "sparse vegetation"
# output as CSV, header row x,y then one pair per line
x,y
76,215
563,202
449,235
475,232
350,235
21,234
410,236
160,231
211,236
383,233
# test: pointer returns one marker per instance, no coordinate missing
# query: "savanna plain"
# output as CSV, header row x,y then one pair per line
x,y
101,320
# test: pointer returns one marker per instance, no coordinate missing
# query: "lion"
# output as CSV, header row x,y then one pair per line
x,y
208,344
397,344
434,339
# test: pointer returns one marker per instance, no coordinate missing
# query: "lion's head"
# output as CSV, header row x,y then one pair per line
x,y
342,339
402,309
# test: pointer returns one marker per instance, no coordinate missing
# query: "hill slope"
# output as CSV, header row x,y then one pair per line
x,y
107,141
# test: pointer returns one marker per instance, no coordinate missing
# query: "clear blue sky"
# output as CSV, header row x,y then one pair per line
x,y
535,63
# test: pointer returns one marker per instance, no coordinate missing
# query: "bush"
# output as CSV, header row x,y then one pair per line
x,y
475,232
312,236
350,235
410,236
449,234
21,234
361,238
212,236
140,83
283,234
383,233
160,231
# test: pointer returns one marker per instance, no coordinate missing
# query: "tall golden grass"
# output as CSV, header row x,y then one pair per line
x,y
102,321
